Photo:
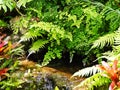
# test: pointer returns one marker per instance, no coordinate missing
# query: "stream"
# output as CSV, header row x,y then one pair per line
x,y
50,78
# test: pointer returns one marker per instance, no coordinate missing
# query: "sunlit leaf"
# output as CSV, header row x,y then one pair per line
x,y
56,88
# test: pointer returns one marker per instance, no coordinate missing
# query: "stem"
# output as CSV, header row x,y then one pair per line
x,y
19,11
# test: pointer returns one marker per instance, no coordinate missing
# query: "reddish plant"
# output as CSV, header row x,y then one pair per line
x,y
5,47
3,71
113,72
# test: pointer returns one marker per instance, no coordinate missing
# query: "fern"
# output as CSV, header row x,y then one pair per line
x,y
117,37
55,30
31,34
104,41
112,39
97,80
11,4
42,33
3,24
40,43
87,71
5,4
73,25
51,55
113,16
23,3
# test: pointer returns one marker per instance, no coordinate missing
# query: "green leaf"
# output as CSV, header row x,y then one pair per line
x,y
4,8
104,41
22,3
8,88
10,5
37,45
2,23
96,80
56,88
88,71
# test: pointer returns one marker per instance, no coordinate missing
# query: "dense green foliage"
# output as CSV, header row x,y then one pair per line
x,y
82,22
55,27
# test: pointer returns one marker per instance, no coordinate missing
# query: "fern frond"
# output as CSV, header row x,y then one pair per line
x,y
112,15
104,41
18,51
97,80
87,71
55,32
52,54
3,24
37,45
117,37
31,34
7,4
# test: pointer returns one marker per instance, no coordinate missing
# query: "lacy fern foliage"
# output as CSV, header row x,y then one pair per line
x,y
37,45
73,25
88,71
11,4
105,40
96,80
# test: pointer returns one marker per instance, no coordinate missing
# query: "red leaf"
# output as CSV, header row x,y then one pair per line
x,y
112,86
2,44
114,67
3,71
106,65
118,84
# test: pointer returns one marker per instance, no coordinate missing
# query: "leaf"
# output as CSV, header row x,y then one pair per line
x,y
104,41
31,34
4,8
56,88
88,71
9,5
3,71
112,86
114,66
22,3
37,45
95,80
6,63
3,24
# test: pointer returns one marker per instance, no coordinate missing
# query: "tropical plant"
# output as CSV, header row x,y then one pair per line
x,y
85,20
11,4
109,74
54,36
113,73
92,82
7,53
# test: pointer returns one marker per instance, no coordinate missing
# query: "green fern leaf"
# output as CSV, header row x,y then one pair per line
x,y
10,5
104,41
4,8
52,54
31,34
7,4
113,16
22,3
117,37
3,24
96,80
37,45
87,71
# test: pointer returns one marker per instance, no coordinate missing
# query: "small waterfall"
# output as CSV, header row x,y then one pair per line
x,y
49,84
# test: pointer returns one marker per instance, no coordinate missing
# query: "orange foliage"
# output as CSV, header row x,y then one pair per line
x,y
113,72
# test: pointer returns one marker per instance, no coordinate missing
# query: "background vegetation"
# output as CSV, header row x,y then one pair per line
x,y
67,30
54,28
